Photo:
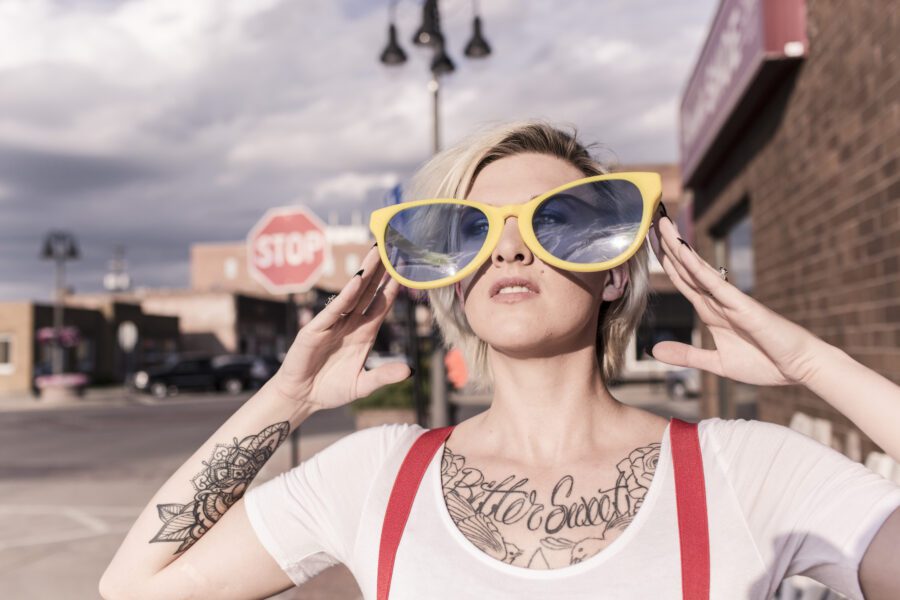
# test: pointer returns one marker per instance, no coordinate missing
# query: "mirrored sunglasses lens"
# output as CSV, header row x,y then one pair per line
x,y
430,242
590,223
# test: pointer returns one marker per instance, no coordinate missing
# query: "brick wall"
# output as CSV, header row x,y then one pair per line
x,y
17,325
819,166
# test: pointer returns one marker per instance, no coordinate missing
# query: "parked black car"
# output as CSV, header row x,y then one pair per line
x,y
230,373
682,383
238,372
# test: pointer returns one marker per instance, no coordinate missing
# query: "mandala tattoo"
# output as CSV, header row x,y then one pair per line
x,y
218,486
477,506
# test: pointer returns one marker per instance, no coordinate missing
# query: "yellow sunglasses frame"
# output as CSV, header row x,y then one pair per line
x,y
648,183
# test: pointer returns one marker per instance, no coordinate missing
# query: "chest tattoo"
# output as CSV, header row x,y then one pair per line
x,y
478,506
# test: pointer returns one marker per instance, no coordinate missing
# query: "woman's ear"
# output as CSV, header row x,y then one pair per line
x,y
616,282
458,287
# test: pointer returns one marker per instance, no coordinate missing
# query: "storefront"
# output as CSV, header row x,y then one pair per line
x,y
89,341
790,137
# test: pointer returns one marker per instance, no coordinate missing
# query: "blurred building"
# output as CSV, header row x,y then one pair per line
x,y
223,311
208,322
220,269
669,315
790,136
223,266
97,352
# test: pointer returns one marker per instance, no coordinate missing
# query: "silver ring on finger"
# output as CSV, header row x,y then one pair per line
x,y
723,273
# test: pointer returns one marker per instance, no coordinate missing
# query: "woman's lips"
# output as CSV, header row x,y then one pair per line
x,y
513,297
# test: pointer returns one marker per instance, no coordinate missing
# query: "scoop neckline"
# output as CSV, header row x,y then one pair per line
x,y
606,554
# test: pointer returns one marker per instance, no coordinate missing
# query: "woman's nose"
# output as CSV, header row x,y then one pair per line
x,y
511,246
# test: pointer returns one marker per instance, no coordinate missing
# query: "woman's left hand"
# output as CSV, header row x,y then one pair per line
x,y
753,343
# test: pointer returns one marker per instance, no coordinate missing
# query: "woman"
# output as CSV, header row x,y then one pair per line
x,y
558,490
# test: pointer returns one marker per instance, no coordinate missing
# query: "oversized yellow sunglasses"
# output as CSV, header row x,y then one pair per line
x,y
589,224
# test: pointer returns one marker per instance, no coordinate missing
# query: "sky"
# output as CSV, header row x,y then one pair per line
x,y
156,124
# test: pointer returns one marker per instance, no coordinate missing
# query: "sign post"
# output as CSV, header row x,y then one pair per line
x,y
127,336
286,251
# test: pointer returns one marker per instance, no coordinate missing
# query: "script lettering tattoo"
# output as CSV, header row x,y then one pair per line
x,y
477,507
218,486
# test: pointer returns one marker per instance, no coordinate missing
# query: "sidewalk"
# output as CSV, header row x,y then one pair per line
x,y
114,395
649,396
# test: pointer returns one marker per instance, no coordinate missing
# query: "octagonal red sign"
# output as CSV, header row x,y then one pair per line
x,y
286,249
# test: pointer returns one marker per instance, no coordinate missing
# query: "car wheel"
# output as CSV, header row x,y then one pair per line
x,y
679,390
159,390
233,386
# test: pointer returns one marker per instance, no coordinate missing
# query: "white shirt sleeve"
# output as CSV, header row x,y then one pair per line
x,y
811,510
307,518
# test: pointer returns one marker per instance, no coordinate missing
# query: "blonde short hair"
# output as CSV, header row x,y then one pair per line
x,y
451,173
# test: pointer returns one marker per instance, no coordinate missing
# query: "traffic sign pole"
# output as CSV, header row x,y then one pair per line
x,y
291,331
286,251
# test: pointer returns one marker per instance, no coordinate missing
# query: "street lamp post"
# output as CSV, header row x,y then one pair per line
x,y
59,246
430,35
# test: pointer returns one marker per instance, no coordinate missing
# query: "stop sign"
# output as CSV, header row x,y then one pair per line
x,y
286,250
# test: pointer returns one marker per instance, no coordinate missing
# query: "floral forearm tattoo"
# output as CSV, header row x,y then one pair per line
x,y
477,506
220,484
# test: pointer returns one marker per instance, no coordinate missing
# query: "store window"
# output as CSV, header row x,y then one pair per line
x,y
6,354
85,355
668,317
734,249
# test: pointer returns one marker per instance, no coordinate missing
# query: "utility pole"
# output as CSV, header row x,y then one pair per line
x,y
59,246
429,35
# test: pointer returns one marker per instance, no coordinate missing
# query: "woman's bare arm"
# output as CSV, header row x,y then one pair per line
x,y
193,539
869,399
195,498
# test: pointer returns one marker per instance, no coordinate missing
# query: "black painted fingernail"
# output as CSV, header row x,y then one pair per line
x,y
359,273
411,372
662,209
648,351
685,243
373,245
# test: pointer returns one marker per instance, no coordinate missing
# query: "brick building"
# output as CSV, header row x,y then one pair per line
x,y
790,136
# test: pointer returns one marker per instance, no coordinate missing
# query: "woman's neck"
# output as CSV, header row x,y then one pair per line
x,y
551,410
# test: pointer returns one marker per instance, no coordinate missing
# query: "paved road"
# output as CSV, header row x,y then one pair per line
x,y
74,479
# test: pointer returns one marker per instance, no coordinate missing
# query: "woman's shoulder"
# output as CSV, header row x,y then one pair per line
x,y
744,446
349,464
378,441
740,427
733,434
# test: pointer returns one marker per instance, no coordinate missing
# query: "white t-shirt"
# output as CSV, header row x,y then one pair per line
x,y
779,503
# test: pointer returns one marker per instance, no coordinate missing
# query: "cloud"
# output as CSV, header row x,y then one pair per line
x,y
159,123
352,186
26,171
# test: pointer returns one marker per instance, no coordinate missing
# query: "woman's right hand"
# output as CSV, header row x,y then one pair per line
x,y
324,367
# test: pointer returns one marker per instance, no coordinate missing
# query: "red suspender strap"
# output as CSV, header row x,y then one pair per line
x,y
690,497
400,502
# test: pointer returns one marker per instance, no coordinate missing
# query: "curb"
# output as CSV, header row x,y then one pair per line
x,y
26,404
109,398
